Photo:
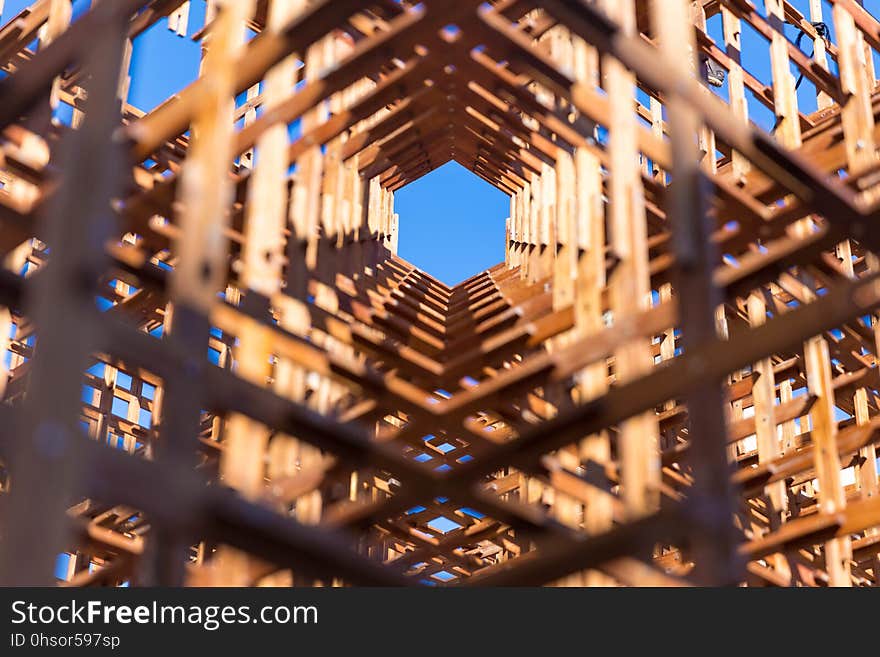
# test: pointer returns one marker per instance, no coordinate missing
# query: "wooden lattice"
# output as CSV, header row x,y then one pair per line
x,y
218,371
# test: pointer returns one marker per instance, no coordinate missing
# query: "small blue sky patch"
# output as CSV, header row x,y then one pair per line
x,y
443,525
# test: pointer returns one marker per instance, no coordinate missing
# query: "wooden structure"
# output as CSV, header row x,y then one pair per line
x,y
671,380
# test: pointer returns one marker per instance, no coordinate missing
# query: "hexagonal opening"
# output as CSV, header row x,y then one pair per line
x,y
452,223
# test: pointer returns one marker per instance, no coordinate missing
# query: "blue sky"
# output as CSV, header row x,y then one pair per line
x,y
451,223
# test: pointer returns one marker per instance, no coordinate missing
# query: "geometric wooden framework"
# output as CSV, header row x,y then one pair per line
x,y
218,371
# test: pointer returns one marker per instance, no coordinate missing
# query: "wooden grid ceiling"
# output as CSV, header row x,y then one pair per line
x,y
218,371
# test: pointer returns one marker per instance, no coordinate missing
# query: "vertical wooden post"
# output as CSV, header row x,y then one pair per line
x,y
589,310
763,397
204,188
699,298
629,285
832,498
535,215
706,136
732,26
820,52
244,459
178,20
205,195
565,270
525,229
788,127
857,115
306,204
